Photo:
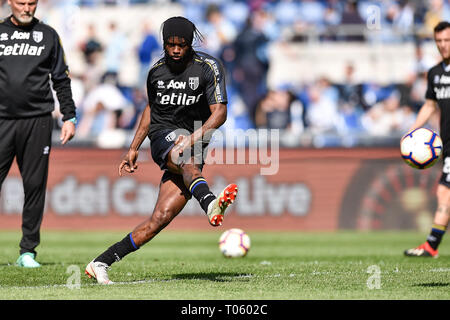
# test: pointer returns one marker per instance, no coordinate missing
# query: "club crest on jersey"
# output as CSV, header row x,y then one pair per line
x,y
193,82
38,36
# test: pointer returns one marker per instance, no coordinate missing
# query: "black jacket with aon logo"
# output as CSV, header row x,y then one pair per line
x,y
29,57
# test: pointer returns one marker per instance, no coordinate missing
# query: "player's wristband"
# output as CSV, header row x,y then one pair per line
x,y
73,120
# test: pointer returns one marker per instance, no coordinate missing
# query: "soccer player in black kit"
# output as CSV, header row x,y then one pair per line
x,y
184,87
31,52
438,100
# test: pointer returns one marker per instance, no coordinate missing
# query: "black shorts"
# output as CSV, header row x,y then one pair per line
x,y
445,177
161,144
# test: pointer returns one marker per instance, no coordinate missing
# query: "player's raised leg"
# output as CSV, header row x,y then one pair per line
x,y
430,247
171,200
197,185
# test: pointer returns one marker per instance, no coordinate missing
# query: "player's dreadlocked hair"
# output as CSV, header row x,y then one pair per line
x,y
180,27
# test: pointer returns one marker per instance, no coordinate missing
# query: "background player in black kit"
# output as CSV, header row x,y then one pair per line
x,y
184,87
438,100
30,52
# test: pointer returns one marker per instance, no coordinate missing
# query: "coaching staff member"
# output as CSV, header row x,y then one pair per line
x,y
30,55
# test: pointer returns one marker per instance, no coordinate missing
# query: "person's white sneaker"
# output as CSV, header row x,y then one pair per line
x,y
98,271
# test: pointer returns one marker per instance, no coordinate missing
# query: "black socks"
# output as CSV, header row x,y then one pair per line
x,y
200,190
117,251
435,237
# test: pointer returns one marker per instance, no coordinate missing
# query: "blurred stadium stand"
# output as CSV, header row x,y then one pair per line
x,y
325,73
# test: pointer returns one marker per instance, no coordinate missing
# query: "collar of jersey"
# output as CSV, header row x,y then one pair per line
x,y
446,67
27,27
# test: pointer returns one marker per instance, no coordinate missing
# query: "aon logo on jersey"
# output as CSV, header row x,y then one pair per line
x,y
176,85
178,99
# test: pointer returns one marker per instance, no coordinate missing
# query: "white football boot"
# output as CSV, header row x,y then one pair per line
x,y
216,209
98,271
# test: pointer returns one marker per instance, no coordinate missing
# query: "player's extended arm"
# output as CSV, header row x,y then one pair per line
x,y
425,112
129,161
216,119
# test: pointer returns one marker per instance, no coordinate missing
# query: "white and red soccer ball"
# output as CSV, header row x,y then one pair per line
x,y
421,148
234,243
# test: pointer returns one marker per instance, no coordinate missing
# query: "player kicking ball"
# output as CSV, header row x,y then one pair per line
x,y
184,87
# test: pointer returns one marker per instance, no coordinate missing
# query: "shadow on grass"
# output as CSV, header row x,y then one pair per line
x,y
432,284
213,276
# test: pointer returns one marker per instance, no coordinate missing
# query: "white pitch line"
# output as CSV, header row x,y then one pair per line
x,y
440,270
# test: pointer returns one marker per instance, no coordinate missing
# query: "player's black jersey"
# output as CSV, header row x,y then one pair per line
x,y
178,100
28,56
439,90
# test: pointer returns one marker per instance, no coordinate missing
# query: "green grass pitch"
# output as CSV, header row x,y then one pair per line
x,y
188,265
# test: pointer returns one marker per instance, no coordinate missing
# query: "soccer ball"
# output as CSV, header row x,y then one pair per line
x,y
421,148
234,243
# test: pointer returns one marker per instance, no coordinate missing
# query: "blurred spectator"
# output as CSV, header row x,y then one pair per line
x,y
418,90
298,32
270,26
397,23
88,3
414,87
350,107
251,62
237,113
218,31
114,50
388,117
437,11
92,46
280,109
422,62
372,93
286,12
92,50
331,19
146,51
139,101
236,12
350,90
404,20
349,120
352,22
312,12
104,108
322,111
413,90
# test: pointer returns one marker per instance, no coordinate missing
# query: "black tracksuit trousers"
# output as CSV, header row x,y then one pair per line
x,y
29,140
